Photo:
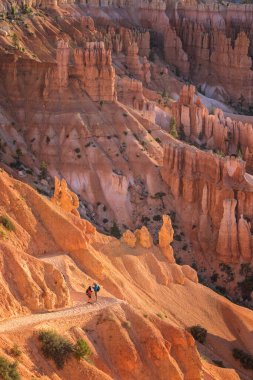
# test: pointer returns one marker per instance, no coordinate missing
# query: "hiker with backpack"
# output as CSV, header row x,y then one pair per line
x,y
96,289
89,293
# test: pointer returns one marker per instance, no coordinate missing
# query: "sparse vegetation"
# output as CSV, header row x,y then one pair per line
x,y
214,277
246,287
173,128
126,324
7,223
60,349
157,218
82,350
219,363
115,231
8,370
15,351
43,170
245,358
199,333
160,195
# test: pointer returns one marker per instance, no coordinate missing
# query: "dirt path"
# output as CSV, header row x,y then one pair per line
x,y
62,262
80,309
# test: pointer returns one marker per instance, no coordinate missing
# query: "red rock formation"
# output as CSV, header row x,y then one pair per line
x,y
215,131
202,184
130,92
62,58
121,38
227,245
219,55
132,60
65,198
174,53
93,66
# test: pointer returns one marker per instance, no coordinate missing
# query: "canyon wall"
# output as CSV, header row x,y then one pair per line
x,y
212,131
216,195
143,4
217,42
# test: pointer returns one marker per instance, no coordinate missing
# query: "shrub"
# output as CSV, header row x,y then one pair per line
x,y
246,270
15,351
56,347
158,140
173,128
194,266
246,287
178,260
6,222
82,350
219,363
126,324
19,154
8,370
214,277
221,290
245,359
43,170
157,218
145,219
115,231
199,333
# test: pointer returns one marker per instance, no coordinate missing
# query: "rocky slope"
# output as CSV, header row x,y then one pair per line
x,y
93,92
140,339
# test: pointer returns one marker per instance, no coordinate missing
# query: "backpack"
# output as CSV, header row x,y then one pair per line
x,y
96,288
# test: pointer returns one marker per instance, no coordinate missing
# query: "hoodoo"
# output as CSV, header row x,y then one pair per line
x,y
126,190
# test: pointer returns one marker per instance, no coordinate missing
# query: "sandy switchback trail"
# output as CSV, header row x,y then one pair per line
x,y
77,310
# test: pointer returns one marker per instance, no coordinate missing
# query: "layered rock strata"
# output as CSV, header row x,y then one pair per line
x,y
216,194
212,131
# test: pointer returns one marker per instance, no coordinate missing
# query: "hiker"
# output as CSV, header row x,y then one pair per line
x,y
96,289
89,293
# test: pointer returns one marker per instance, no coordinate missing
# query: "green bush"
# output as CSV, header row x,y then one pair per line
x,y
82,350
56,347
245,359
8,370
60,349
6,222
199,333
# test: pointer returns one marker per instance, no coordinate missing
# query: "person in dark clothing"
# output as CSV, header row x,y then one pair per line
x,y
96,289
89,293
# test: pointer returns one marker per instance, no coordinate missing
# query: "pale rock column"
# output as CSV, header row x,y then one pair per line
x,y
227,245
166,234
244,239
